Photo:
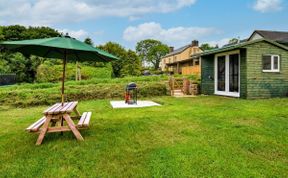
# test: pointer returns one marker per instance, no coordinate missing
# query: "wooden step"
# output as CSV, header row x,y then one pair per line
x,y
178,93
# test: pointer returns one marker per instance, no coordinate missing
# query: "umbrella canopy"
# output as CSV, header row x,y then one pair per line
x,y
65,48
56,47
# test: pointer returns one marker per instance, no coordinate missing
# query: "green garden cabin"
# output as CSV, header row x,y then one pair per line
x,y
252,68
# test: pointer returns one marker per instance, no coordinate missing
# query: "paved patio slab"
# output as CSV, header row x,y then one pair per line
x,y
140,104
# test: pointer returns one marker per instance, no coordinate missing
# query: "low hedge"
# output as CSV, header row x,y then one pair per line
x,y
123,81
47,96
53,73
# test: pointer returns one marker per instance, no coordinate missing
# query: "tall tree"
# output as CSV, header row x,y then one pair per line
x,y
13,32
24,67
128,64
88,41
233,41
2,37
40,32
18,32
151,51
131,65
207,46
117,50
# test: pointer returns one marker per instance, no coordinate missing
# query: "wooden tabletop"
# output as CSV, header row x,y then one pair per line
x,y
59,109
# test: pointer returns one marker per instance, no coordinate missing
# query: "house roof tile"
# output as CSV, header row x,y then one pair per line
x,y
177,51
279,36
240,45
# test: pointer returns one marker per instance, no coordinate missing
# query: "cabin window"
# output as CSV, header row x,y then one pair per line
x,y
271,63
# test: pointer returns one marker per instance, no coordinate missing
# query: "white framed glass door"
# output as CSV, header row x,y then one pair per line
x,y
227,74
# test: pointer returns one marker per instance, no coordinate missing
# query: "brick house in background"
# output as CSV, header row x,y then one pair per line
x,y
179,61
254,68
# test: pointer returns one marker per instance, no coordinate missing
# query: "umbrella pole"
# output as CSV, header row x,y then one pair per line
x,y
63,80
63,77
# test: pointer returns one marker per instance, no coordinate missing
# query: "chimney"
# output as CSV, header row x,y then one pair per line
x,y
195,43
171,49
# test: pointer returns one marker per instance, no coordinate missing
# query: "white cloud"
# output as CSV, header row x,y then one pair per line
x,y
44,12
268,5
173,36
79,34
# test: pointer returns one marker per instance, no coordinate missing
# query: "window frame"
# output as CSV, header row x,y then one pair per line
x,y
272,61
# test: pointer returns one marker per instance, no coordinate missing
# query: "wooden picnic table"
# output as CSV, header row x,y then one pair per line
x,y
54,118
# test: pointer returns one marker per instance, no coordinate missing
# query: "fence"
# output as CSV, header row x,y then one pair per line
x,y
191,70
7,79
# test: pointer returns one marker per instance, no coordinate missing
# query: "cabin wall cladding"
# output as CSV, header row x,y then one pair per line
x,y
263,84
243,73
207,75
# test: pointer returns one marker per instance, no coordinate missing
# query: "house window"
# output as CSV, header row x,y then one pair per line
x,y
271,63
196,62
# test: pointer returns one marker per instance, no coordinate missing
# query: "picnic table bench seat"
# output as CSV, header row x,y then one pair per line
x,y
36,125
57,108
84,120
54,118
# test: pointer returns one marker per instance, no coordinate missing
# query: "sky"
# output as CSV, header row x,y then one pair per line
x,y
174,22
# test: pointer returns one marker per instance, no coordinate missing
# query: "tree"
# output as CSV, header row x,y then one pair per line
x,y
88,41
233,41
128,64
13,32
117,50
17,32
40,32
24,67
207,46
132,65
2,37
4,66
151,51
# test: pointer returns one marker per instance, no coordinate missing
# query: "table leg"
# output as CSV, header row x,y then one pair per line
x,y
43,130
72,127
77,112
62,123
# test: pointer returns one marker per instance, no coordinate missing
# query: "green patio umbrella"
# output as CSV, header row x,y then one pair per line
x,y
65,48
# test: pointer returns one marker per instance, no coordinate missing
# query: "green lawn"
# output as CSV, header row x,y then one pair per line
x,y
187,137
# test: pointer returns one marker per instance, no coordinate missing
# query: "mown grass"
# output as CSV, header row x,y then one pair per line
x,y
188,137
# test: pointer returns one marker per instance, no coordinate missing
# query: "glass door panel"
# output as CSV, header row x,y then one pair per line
x,y
234,73
221,74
